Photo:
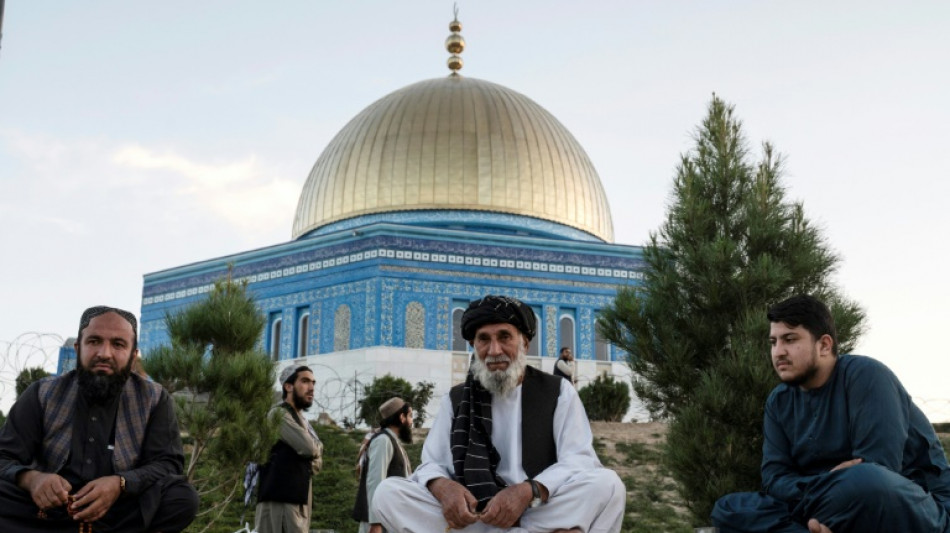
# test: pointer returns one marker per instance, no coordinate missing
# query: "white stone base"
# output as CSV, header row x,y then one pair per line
x,y
341,376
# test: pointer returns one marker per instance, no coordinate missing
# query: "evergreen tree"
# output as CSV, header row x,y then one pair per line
x,y
384,388
27,377
223,386
696,331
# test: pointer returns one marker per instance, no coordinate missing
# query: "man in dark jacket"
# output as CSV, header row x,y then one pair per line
x,y
285,493
384,457
98,445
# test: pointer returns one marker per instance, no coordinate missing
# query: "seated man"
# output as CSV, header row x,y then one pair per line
x,y
846,450
511,448
98,445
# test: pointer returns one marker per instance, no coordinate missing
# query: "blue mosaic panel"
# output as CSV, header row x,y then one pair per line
x,y
341,328
260,268
415,325
377,275
550,328
481,220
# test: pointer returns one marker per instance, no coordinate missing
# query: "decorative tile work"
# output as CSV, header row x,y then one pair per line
x,y
287,335
443,334
585,333
314,338
376,275
388,287
481,219
341,328
550,328
469,256
415,325
370,314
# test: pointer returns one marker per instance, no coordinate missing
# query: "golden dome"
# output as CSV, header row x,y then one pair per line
x,y
455,143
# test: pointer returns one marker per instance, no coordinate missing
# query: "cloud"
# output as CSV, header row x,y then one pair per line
x,y
241,192
72,184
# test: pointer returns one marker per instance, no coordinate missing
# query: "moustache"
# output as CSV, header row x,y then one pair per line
x,y
497,359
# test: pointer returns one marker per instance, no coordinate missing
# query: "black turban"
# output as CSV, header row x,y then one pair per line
x,y
497,310
93,312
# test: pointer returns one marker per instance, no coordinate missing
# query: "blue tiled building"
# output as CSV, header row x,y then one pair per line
x,y
435,195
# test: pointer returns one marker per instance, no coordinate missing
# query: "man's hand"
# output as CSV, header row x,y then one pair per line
x,y
95,499
815,527
458,504
376,528
506,507
48,491
847,464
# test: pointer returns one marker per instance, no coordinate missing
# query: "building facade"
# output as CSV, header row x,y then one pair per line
x,y
435,195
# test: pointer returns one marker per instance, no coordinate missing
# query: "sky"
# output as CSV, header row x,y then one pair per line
x,y
136,137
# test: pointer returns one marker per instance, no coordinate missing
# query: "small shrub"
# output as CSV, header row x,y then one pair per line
x,y
605,399
384,388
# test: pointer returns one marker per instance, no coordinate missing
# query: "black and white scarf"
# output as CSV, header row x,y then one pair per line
x,y
474,457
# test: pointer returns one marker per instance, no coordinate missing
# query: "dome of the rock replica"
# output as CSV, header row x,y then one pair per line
x,y
455,144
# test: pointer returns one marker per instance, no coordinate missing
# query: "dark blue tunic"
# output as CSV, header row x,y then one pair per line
x,y
863,411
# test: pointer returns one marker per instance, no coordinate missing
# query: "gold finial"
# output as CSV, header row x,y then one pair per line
x,y
455,44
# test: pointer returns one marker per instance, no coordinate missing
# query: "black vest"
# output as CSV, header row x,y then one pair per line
x,y
397,467
286,475
539,395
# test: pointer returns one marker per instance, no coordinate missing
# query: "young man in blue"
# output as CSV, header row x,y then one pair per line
x,y
845,450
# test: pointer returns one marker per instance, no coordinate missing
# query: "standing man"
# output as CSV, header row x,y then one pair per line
x,y
564,367
845,447
99,444
385,458
511,448
284,497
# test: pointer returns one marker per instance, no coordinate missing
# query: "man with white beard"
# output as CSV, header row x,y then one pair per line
x,y
511,448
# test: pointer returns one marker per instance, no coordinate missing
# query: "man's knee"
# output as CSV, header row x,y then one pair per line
x,y
866,484
598,484
610,480
179,503
388,495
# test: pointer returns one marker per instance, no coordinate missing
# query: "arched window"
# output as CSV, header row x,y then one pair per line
x,y
458,343
534,347
601,346
415,325
566,333
303,333
341,328
274,348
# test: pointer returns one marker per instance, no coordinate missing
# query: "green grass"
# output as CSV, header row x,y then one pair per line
x,y
651,496
638,453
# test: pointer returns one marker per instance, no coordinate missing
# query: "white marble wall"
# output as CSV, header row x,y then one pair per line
x,y
340,376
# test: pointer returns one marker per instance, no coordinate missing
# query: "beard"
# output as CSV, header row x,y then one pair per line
x,y
101,388
301,402
405,433
809,372
500,381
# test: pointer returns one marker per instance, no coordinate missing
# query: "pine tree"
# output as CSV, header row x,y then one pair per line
x,y
28,376
223,386
696,331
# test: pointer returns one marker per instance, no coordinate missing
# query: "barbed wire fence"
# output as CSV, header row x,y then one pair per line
x,y
337,395
27,350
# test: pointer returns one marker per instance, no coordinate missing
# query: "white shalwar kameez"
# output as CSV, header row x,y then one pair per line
x,y
582,493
